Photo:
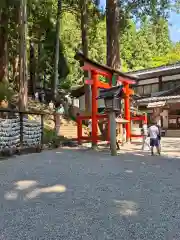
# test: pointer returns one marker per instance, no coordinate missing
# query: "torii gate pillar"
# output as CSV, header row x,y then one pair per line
x,y
127,114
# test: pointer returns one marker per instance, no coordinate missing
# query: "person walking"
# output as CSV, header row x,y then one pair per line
x,y
154,133
159,136
145,137
58,117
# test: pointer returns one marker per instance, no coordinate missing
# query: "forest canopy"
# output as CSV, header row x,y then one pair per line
x,y
143,45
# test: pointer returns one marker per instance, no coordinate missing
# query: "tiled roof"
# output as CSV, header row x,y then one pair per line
x,y
165,70
160,68
158,94
156,99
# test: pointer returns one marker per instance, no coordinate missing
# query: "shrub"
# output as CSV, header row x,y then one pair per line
x,y
5,92
50,138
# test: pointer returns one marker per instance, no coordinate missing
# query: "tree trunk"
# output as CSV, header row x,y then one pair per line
x,y
112,34
84,33
14,24
3,44
16,72
38,65
23,83
56,59
84,39
32,70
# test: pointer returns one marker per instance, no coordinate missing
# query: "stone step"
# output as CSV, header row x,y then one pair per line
x,y
172,133
69,130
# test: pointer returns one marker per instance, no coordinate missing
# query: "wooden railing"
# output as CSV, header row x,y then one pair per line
x,y
79,120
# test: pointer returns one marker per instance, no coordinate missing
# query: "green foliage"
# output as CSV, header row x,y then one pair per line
x,y
49,136
148,46
51,139
97,42
172,56
143,47
5,91
71,39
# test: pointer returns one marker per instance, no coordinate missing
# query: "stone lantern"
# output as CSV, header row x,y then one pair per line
x,y
112,98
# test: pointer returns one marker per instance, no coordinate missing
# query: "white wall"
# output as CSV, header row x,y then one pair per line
x,y
148,81
164,114
156,80
75,102
82,103
171,78
100,102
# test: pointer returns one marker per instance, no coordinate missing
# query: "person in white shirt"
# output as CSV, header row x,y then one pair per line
x,y
51,105
36,95
154,134
145,136
90,127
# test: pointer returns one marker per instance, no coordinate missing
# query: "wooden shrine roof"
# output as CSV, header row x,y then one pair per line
x,y
78,92
80,56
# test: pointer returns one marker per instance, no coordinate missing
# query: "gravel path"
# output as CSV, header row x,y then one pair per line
x,y
74,195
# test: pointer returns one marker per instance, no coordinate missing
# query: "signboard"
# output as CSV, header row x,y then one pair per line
x,y
173,100
156,104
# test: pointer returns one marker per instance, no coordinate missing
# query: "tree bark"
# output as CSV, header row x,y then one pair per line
x,y
4,44
23,83
84,39
56,60
38,64
15,61
112,34
32,70
84,33
16,72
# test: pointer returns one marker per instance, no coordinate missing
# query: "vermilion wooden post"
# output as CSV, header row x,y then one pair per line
x,y
145,118
108,133
94,108
108,130
79,129
127,112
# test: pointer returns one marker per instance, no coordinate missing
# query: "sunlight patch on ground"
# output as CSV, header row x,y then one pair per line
x,y
128,171
53,189
25,184
139,154
21,186
126,208
11,195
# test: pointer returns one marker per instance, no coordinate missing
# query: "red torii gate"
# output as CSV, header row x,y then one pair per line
x,y
97,69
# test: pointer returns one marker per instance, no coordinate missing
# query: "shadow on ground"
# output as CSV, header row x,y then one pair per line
x,y
84,194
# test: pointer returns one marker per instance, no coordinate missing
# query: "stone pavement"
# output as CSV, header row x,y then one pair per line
x,y
170,147
74,194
